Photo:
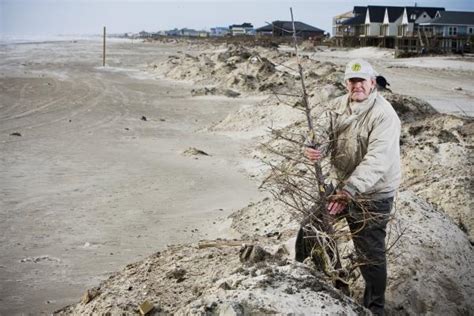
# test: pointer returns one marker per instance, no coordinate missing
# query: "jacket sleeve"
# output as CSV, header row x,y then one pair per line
x,y
382,152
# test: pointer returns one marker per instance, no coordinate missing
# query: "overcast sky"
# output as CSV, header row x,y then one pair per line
x,y
54,17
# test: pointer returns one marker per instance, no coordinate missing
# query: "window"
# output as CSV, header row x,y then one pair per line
x,y
402,30
439,31
452,30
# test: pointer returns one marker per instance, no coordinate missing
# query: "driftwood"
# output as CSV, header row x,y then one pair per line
x,y
219,243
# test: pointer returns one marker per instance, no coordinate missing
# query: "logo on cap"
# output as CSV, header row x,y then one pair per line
x,y
356,67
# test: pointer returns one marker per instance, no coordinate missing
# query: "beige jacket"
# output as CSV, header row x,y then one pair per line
x,y
365,150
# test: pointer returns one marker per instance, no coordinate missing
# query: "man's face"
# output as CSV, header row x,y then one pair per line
x,y
359,88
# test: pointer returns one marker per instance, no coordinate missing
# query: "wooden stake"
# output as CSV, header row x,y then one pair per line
x,y
103,54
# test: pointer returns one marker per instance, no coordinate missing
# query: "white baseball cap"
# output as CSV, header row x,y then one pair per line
x,y
359,68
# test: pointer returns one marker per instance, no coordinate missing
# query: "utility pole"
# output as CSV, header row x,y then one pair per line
x,y
103,52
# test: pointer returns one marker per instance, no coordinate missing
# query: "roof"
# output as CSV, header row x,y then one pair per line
x,y
358,19
376,13
266,28
454,17
359,10
288,26
394,13
245,25
417,11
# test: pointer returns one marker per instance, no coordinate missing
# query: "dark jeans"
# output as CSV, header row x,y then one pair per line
x,y
367,222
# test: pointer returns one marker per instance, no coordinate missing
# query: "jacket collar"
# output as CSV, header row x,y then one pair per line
x,y
361,107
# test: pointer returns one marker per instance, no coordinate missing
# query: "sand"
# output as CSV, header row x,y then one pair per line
x,y
89,186
113,164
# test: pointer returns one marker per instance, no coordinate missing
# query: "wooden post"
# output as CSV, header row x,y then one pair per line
x,y
103,53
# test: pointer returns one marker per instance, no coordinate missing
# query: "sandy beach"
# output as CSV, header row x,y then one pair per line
x,y
104,166
90,186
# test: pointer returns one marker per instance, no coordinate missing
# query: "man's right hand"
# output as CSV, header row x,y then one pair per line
x,y
338,202
312,154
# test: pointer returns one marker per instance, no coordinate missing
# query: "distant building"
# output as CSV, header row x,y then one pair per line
x,y
144,34
203,33
219,31
186,32
349,26
411,29
343,17
241,29
266,30
189,32
173,32
285,28
449,31
408,37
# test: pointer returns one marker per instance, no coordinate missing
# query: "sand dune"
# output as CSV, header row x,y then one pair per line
x,y
113,164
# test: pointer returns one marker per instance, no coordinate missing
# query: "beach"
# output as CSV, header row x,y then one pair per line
x,y
98,178
102,167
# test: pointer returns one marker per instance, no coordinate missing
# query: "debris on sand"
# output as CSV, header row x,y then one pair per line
x,y
214,91
176,273
204,91
89,295
231,93
38,259
143,118
145,307
15,134
253,254
192,151
237,68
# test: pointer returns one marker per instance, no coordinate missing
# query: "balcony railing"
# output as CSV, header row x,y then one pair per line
x,y
349,34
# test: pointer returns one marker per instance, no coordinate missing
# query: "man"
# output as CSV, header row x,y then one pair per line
x,y
364,133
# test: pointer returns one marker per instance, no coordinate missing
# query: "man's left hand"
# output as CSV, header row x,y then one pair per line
x,y
338,202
